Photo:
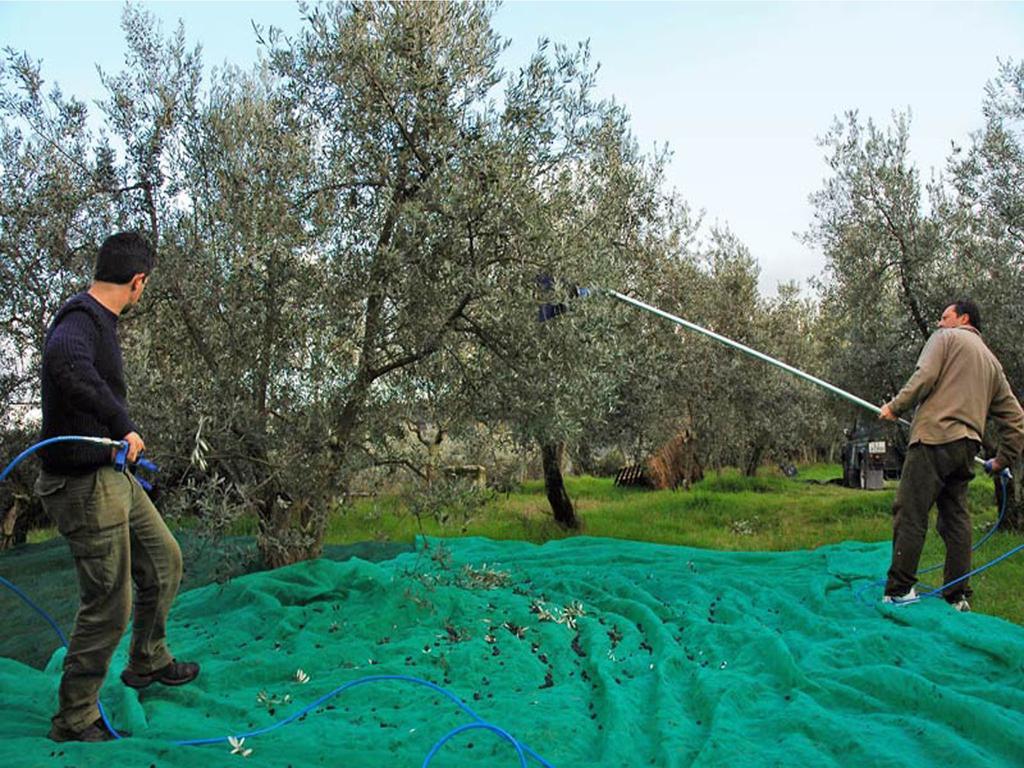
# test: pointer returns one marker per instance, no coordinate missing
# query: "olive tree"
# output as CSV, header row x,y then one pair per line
x,y
985,212
886,256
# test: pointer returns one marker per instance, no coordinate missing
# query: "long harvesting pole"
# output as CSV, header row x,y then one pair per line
x,y
749,351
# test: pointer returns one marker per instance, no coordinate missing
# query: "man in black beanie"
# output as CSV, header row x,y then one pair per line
x,y
116,535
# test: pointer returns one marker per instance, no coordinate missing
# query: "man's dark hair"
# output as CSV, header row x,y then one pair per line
x,y
122,257
967,306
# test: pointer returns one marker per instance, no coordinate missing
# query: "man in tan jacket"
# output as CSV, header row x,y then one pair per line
x,y
958,383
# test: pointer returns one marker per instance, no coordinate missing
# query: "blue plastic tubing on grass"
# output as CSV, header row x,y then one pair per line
x,y
522,751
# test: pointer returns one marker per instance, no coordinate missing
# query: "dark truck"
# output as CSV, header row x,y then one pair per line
x,y
872,454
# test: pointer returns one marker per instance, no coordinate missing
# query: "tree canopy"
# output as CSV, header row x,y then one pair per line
x,y
356,235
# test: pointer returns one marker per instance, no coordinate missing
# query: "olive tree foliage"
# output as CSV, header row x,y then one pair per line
x,y
427,213
803,422
743,411
430,234
582,201
603,212
349,238
650,399
887,257
673,382
404,155
324,225
375,214
55,198
986,215
898,252
242,323
221,347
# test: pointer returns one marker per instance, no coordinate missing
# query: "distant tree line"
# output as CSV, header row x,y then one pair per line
x,y
355,237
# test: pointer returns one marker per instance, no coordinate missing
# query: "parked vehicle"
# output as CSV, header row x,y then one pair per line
x,y
873,453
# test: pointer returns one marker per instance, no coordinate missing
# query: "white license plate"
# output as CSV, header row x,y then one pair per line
x,y
876,446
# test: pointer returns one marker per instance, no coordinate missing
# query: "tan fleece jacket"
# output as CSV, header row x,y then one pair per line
x,y
958,384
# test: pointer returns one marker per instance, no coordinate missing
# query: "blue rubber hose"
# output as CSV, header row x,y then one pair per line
x,y
106,442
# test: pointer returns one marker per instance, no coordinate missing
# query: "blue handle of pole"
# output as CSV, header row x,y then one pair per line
x,y
121,458
147,465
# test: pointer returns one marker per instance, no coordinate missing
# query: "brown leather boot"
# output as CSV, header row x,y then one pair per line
x,y
175,673
95,732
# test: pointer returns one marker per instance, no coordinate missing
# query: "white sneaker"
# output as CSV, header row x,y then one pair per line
x,y
962,605
910,597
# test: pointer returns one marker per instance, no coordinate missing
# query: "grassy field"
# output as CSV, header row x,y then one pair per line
x,y
725,512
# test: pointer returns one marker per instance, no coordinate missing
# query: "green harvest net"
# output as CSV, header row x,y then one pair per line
x,y
591,652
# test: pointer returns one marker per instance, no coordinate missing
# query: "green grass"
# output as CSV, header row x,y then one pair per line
x,y
39,535
726,511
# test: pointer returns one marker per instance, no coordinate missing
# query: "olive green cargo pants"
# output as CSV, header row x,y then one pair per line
x,y
939,475
116,537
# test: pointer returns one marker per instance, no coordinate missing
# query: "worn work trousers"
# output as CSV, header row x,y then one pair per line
x,y
933,474
116,537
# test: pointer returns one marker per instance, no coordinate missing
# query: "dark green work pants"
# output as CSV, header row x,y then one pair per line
x,y
933,474
116,537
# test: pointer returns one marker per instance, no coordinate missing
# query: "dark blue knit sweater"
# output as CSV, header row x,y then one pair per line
x,y
83,389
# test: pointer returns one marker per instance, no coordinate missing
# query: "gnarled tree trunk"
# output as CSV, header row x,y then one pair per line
x,y
554,486
290,531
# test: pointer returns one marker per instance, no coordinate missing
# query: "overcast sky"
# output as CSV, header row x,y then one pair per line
x,y
739,91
